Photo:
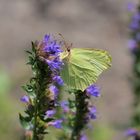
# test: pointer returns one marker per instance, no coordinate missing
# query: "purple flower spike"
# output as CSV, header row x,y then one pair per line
x,y
25,99
56,124
53,89
93,90
50,113
92,112
58,80
83,137
131,132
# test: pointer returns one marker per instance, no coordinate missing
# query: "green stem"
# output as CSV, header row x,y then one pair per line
x,y
42,80
35,137
38,92
80,116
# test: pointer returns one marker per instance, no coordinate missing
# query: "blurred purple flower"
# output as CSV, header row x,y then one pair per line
x,y
56,124
65,106
134,25
132,44
131,7
58,80
131,132
93,90
25,99
50,113
53,89
83,137
92,112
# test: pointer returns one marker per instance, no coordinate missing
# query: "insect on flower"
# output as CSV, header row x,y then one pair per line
x,y
82,66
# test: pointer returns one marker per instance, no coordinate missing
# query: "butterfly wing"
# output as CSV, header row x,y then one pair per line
x,y
83,66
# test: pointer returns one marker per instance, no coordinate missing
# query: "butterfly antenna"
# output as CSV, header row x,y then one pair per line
x,y
65,44
61,36
68,47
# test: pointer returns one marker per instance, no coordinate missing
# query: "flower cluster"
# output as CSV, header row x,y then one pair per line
x,y
43,96
134,45
52,49
93,90
133,132
43,88
81,110
83,137
91,113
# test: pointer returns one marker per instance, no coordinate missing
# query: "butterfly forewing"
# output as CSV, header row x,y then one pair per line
x,y
83,67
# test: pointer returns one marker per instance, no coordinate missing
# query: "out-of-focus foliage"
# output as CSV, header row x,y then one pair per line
x,y
8,122
134,45
102,132
5,82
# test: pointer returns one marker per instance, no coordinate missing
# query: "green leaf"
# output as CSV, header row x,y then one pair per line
x,y
30,90
26,124
33,46
30,111
28,52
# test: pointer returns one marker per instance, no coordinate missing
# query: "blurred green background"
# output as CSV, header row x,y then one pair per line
x,y
85,23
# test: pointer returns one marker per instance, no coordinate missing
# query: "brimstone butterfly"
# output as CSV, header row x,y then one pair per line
x,y
83,66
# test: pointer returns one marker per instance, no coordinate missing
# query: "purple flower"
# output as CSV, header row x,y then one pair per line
x,y
92,112
58,80
52,48
51,45
47,37
25,99
134,25
131,7
136,17
54,64
65,106
131,132
83,137
50,113
132,44
93,90
56,124
53,89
